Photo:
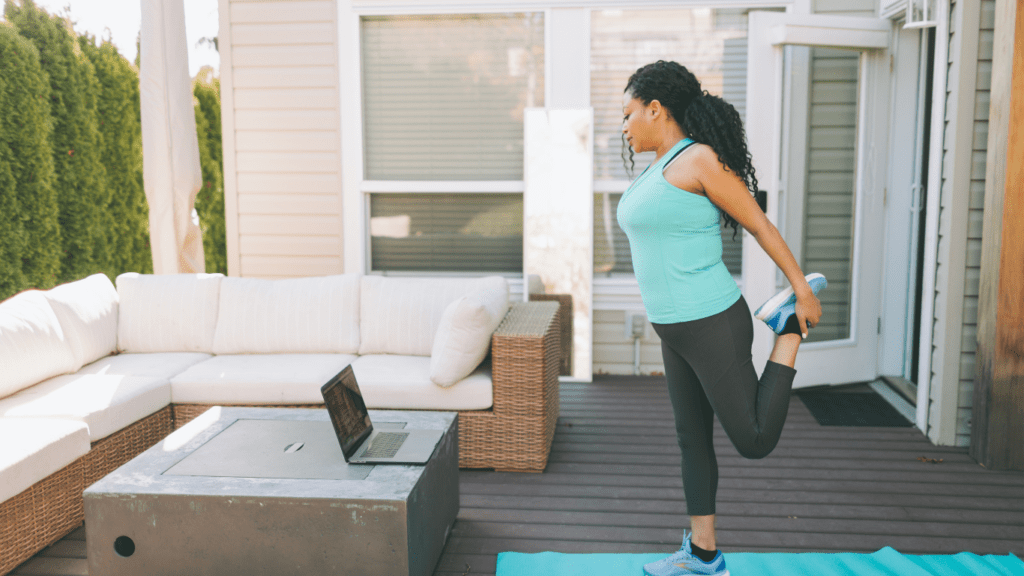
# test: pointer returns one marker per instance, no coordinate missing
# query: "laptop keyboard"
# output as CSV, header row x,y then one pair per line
x,y
385,445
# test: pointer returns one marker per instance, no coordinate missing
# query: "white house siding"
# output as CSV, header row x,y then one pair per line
x,y
613,353
972,272
969,65
829,187
283,133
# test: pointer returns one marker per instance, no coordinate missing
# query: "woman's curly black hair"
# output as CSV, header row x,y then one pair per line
x,y
703,117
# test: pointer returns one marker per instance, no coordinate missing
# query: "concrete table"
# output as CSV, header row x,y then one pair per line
x,y
267,491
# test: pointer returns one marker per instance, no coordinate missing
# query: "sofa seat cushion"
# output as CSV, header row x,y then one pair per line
x,y
105,403
392,381
294,315
87,311
167,312
33,346
154,365
243,379
34,448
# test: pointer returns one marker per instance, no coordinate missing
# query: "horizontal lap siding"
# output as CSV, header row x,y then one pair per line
x,y
613,350
972,272
284,66
828,209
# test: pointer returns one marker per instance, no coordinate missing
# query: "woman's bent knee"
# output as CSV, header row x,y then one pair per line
x,y
756,450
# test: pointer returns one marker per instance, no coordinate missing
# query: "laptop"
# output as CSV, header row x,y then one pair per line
x,y
360,442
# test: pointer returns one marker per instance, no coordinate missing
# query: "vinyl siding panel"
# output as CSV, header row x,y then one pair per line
x,y
260,183
613,351
284,76
830,181
972,271
960,221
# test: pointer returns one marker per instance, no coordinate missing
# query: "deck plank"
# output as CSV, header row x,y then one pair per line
x,y
613,485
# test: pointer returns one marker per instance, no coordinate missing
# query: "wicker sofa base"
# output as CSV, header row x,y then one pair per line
x,y
41,515
108,454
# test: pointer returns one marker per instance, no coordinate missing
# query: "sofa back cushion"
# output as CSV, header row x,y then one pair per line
x,y
300,315
87,312
33,346
401,315
168,312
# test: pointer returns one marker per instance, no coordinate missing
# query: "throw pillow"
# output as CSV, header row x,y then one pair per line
x,y
463,337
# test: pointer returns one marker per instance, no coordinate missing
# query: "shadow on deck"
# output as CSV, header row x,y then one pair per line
x,y
613,485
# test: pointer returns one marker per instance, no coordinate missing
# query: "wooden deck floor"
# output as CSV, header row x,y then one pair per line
x,y
613,485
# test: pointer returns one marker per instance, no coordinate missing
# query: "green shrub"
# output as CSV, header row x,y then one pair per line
x,y
80,177
30,237
126,219
210,200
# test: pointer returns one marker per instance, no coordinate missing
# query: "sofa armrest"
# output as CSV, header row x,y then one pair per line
x,y
565,319
525,359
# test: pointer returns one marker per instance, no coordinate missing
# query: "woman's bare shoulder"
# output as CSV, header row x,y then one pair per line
x,y
692,167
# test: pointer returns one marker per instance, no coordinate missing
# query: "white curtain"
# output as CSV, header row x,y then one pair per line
x,y
171,172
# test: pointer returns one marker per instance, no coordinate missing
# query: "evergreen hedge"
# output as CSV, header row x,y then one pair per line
x,y
210,200
30,236
126,218
72,200
82,195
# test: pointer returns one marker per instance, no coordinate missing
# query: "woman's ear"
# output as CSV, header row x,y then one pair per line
x,y
655,109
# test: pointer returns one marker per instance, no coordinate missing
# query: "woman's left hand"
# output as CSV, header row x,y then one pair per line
x,y
808,310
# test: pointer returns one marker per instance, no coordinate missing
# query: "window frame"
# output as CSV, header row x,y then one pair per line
x,y
356,238
356,206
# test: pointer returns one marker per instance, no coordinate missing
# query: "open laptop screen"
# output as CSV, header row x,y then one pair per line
x,y
348,411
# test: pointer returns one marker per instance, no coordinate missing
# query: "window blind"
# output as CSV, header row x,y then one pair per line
x,y
443,96
459,232
711,43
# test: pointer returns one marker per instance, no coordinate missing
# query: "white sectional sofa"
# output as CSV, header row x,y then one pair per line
x,y
91,375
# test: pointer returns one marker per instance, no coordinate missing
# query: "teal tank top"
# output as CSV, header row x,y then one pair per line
x,y
676,244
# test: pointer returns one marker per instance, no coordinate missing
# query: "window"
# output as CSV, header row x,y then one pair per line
x,y
711,43
446,232
443,100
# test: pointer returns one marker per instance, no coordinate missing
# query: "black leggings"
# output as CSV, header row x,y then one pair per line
x,y
709,371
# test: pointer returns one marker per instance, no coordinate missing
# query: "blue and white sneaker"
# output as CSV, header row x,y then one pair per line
x,y
684,563
777,310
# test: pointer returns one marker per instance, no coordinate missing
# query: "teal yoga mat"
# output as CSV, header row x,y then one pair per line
x,y
885,562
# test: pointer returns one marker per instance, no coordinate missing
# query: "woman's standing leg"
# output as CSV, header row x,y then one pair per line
x,y
694,419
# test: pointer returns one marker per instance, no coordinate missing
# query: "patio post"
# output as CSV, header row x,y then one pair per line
x,y
997,426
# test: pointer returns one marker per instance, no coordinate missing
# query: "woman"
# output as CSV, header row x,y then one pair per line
x,y
671,214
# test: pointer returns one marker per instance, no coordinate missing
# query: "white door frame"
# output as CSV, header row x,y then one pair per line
x,y
852,359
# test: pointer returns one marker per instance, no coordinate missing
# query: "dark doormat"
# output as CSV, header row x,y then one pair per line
x,y
833,408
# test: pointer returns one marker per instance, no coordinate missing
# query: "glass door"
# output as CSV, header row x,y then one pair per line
x,y
819,138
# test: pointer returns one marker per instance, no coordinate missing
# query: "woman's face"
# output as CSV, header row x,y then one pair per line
x,y
637,123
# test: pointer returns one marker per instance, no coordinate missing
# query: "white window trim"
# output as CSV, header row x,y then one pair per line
x,y
441,186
